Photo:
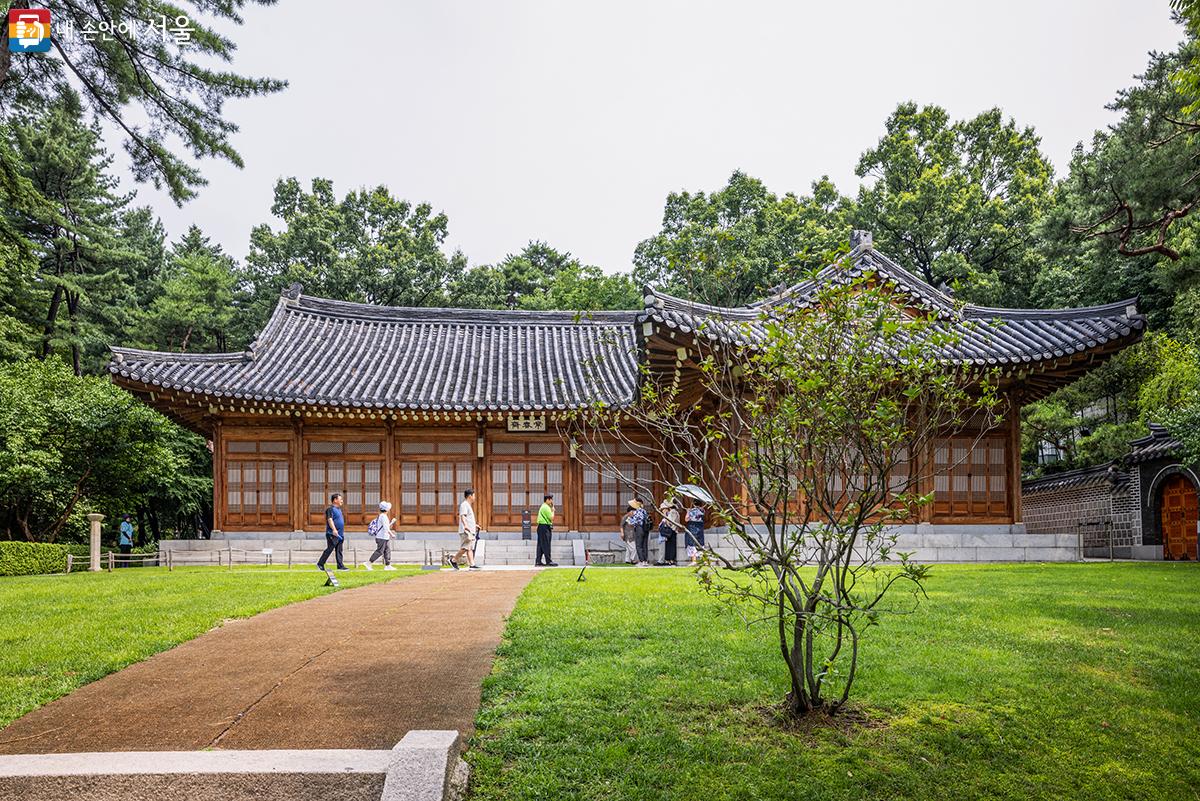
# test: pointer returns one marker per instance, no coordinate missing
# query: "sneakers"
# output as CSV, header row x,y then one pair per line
x,y
367,565
388,567
321,568
474,567
552,564
454,564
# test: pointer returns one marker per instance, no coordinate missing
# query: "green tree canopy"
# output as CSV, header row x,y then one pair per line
x,y
194,310
81,290
958,203
70,445
736,244
540,277
369,247
136,71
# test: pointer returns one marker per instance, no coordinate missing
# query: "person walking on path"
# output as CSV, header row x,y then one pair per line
x,y
335,532
381,529
125,541
545,527
695,530
668,530
467,530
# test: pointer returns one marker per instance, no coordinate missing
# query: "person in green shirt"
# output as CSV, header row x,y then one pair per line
x,y
545,527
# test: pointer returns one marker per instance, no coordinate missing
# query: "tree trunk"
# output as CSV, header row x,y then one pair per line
x,y
154,529
72,309
51,319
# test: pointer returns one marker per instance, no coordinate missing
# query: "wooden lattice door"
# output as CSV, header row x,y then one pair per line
x,y
1179,516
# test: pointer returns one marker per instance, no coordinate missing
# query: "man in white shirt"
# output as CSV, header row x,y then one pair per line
x,y
467,529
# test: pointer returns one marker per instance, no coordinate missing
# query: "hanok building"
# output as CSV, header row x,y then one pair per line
x,y
1141,506
416,405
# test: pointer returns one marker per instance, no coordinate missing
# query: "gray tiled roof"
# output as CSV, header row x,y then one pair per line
x,y
1099,475
325,352
985,336
332,353
1157,444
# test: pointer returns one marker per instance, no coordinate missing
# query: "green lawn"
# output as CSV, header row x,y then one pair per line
x,y
1012,682
59,632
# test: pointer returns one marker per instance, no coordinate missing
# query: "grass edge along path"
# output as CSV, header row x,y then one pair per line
x,y
1030,681
59,632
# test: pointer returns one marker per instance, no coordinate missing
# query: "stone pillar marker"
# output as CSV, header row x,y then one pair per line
x,y
94,520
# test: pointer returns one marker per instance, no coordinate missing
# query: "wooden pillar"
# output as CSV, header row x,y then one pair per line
x,y
924,467
1014,455
218,457
482,477
573,494
390,480
298,486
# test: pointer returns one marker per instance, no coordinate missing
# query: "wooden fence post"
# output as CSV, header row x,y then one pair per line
x,y
70,561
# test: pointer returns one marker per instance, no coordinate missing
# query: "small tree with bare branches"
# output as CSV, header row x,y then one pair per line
x,y
805,433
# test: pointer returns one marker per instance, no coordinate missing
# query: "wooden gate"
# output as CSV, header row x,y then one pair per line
x,y
1179,516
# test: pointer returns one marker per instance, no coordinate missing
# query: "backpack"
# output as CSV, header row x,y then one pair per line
x,y
376,530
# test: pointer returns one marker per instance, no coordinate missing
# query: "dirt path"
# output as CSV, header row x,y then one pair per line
x,y
354,669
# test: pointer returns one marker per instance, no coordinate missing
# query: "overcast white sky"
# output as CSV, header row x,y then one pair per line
x,y
570,121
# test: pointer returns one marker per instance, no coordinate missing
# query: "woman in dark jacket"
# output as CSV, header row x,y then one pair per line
x,y
668,530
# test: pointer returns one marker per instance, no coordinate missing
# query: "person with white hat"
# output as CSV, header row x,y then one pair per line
x,y
631,529
381,529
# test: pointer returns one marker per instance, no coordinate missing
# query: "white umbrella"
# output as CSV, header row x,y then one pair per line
x,y
694,492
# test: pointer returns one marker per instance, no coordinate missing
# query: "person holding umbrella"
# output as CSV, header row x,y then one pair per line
x,y
695,530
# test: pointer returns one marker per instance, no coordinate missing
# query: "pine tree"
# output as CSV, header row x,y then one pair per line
x,y
82,294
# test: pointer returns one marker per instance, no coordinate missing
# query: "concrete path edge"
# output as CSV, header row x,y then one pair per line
x,y
424,766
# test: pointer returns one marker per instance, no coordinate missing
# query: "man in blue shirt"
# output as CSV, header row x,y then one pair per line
x,y
335,532
125,543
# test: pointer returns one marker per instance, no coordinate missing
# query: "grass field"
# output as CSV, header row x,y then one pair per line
x,y
60,632
1010,682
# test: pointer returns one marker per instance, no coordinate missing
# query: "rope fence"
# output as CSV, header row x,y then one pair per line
x,y
229,557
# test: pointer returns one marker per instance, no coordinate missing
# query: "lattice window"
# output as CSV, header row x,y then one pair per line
x,y
430,491
256,484
351,467
607,490
520,486
256,493
970,477
360,484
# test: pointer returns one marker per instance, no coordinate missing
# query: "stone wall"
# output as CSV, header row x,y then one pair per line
x,y
1094,507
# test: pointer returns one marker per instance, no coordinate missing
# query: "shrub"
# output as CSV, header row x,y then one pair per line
x,y
31,558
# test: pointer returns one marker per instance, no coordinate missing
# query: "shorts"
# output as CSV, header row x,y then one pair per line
x,y
466,539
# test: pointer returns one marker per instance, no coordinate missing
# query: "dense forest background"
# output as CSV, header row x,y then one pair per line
x,y
972,205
